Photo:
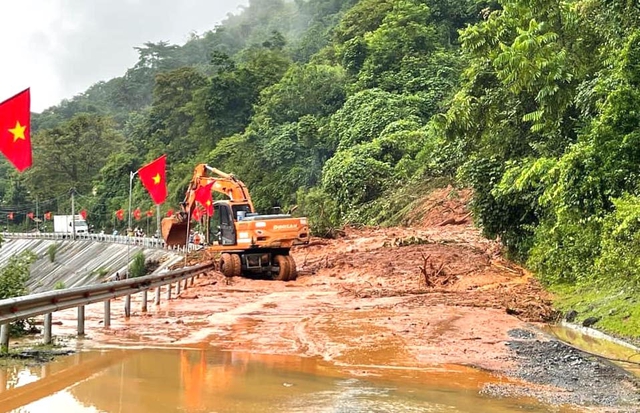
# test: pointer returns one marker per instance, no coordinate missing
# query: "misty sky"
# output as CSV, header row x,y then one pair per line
x,y
61,47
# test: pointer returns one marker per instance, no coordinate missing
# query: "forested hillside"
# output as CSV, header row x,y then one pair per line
x,y
353,109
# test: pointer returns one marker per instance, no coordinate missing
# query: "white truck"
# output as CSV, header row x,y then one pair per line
x,y
63,223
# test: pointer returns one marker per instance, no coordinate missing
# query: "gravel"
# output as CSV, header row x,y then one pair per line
x,y
566,375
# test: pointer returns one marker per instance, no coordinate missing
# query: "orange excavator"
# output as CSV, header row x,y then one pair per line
x,y
249,243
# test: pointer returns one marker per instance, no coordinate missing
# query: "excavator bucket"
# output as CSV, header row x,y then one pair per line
x,y
174,231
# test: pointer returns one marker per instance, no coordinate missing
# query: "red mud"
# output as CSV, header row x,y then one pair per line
x,y
435,293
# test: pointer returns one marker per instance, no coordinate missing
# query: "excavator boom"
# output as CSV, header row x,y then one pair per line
x,y
175,227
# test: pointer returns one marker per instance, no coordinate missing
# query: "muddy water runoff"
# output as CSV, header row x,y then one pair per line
x,y
207,380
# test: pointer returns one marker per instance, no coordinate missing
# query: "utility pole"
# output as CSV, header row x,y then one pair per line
x,y
73,214
37,219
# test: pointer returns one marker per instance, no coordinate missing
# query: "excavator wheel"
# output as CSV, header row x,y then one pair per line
x,y
237,265
227,267
293,270
283,264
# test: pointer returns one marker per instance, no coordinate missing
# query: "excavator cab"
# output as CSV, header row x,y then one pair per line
x,y
223,222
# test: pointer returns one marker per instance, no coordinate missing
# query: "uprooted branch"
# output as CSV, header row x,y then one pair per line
x,y
434,275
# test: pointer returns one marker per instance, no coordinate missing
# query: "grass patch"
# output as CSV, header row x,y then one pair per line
x,y
617,307
101,272
51,252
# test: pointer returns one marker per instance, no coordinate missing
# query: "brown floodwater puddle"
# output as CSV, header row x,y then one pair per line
x,y
208,380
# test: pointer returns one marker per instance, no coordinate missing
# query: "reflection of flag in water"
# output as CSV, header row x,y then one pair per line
x,y
192,380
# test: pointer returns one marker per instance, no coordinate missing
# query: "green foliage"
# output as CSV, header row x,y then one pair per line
x,y
15,274
60,285
101,272
354,176
71,155
51,252
322,210
137,267
366,114
619,260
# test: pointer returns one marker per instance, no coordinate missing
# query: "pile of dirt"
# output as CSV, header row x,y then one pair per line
x,y
443,206
376,262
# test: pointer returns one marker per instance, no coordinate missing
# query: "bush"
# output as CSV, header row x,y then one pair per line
x,y
14,276
564,251
619,260
51,252
354,176
13,279
137,268
60,285
321,210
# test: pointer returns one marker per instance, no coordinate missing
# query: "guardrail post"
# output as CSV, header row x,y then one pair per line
x,y
127,306
4,338
186,284
107,313
169,291
157,295
144,301
178,288
81,320
48,318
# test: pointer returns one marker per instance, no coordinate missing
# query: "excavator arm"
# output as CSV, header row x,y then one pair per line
x,y
175,227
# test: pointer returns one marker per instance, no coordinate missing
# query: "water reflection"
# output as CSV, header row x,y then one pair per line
x,y
205,380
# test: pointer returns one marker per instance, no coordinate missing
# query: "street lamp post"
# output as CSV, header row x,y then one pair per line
x,y
127,300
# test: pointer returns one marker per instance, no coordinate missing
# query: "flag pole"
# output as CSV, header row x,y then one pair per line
x,y
187,240
158,230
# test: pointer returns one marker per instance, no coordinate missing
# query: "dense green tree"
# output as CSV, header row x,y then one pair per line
x,y
71,155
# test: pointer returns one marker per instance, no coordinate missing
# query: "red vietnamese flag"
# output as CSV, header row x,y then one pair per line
x,y
203,195
137,214
153,177
196,214
150,213
170,212
120,214
83,214
15,140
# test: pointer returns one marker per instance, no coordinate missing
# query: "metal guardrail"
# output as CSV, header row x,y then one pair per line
x,y
147,242
19,308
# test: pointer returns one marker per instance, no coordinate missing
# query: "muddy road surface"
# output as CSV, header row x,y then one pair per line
x,y
434,293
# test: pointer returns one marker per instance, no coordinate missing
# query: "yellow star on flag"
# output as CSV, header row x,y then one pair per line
x,y
156,179
208,202
18,132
